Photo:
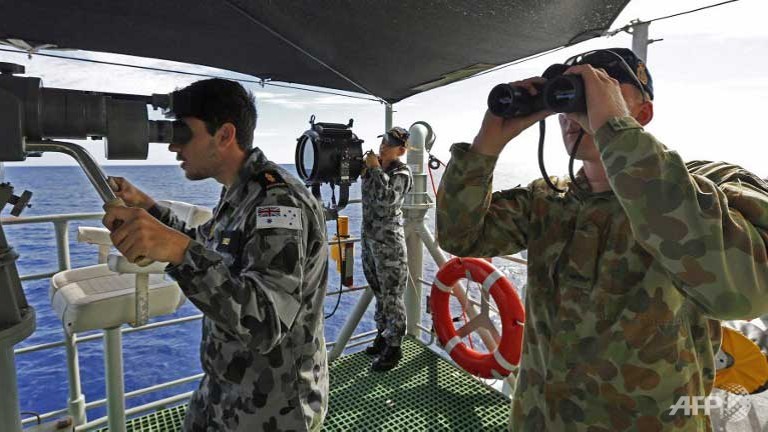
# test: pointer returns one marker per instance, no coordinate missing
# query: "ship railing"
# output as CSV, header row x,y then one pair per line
x,y
418,236
61,226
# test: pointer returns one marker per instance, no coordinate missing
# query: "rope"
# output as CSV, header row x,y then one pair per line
x,y
341,274
434,190
628,26
260,82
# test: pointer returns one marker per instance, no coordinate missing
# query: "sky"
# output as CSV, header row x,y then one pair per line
x,y
708,70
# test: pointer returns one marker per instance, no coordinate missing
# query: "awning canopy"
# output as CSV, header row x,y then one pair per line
x,y
387,48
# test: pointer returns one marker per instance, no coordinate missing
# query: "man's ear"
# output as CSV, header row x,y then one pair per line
x,y
226,135
645,113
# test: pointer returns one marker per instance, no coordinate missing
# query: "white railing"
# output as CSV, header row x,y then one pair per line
x,y
417,235
61,228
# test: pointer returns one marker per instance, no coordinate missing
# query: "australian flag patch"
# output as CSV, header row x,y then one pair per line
x,y
278,217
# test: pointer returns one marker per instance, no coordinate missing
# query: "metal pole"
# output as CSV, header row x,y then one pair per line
x,y
640,39
508,386
351,324
76,403
387,117
62,244
113,367
9,400
415,272
142,299
415,208
10,419
76,398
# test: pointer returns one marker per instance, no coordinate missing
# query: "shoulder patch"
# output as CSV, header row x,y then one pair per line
x,y
278,217
269,178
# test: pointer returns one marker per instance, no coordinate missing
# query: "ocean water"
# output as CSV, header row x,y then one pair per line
x,y
151,357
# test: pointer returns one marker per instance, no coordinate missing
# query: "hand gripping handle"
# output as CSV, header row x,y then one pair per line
x,y
141,261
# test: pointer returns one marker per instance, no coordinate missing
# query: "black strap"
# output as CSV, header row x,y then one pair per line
x,y
573,156
542,132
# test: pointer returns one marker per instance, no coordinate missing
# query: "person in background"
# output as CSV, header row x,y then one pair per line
x,y
257,270
386,180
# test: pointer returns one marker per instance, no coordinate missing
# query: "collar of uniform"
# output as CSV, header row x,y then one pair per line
x,y
238,190
394,165
582,189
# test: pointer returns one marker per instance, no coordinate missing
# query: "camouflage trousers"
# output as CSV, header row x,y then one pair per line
x,y
386,270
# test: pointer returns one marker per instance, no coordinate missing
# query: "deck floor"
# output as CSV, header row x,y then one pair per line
x,y
424,393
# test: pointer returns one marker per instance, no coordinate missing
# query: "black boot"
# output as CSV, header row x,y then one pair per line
x,y
388,358
378,346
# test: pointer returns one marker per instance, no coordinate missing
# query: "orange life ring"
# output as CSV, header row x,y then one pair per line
x,y
500,363
749,367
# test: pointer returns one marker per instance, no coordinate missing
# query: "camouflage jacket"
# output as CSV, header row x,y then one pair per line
x,y
258,272
383,193
623,286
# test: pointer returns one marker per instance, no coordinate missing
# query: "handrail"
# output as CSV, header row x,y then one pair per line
x,y
60,222
59,218
135,410
37,276
513,259
102,402
469,298
124,330
154,325
431,333
350,289
353,337
50,218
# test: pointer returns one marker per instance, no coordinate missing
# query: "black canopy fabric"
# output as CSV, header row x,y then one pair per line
x,y
387,48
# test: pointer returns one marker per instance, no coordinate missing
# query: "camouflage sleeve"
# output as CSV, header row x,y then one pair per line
x,y
259,304
166,216
711,239
472,221
387,190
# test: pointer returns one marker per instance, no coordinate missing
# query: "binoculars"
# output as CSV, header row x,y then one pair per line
x,y
560,93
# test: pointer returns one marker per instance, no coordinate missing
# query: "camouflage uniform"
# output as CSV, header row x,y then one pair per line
x,y
623,286
260,281
384,261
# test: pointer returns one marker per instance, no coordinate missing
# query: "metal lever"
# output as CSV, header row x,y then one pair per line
x,y
20,202
99,181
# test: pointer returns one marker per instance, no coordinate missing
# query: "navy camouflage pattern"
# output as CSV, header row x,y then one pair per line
x,y
384,261
625,287
261,290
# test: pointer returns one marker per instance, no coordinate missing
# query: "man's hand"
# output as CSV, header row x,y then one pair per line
x,y
141,235
372,160
604,98
496,132
130,194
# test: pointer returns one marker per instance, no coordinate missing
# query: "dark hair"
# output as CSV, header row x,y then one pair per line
x,y
217,101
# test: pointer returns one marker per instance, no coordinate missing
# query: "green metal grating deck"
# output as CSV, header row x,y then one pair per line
x,y
424,393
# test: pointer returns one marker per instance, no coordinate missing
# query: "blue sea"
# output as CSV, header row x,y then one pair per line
x,y
150,357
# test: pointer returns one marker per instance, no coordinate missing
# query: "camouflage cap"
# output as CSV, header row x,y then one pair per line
x,y
615,62
396,136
